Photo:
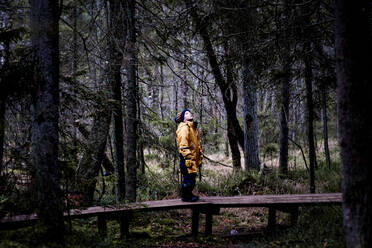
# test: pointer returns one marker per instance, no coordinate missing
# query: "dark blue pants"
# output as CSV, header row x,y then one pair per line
x,y
188,182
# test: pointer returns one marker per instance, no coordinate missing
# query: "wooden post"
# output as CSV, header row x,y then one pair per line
x,y
209,212
102,226
195,222
272,218
294,215
208,223
124,224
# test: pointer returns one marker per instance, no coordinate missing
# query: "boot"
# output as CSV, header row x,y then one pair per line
x,y
187,196
196,196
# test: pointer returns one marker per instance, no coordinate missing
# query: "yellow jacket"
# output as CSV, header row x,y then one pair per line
x,y
189,145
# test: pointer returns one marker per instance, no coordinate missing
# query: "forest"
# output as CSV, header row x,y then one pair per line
x,y
91,94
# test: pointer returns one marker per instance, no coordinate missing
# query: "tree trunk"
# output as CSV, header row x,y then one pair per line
x,y
3,93
106,163
161,102
155,89
185,88
90,164
325,125
233,140
2,130
353,51
228,90
141,142
310,113
251,152
285,92
235,153
74,67
117,41
131,179
175,155
284,115
45,110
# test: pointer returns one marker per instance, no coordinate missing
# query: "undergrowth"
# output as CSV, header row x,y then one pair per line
x,y
317,226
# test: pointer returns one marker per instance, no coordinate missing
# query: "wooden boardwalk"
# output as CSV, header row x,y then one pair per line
x,y
209,206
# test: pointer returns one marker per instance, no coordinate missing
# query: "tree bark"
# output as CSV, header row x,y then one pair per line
x,y
251,152
2,130
93,157
106,163
310,113
235,153
284,115
116,44
185,87
285,92
131,179
233,140
325,125
3,95
45,110
353,51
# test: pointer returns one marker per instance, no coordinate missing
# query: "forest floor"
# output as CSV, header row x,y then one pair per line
x,y
234,227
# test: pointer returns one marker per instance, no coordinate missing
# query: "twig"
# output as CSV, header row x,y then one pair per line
x,y
210,160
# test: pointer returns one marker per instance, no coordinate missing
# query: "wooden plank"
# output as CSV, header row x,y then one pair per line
x,y
142,206
17,221
272,200
204,203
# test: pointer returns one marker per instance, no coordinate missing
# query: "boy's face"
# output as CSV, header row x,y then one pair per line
x,y
188,116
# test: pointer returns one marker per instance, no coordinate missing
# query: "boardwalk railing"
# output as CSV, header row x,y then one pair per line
x,y
209,206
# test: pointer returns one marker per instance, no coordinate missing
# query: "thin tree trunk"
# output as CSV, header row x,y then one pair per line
x,y
185,88
228,90
155,89
325,125
3,99
285,93
310,113
141,141
117,41
45,109
175,158
161,102
284,115
74,66
3,94
131,179
2,130
353,51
